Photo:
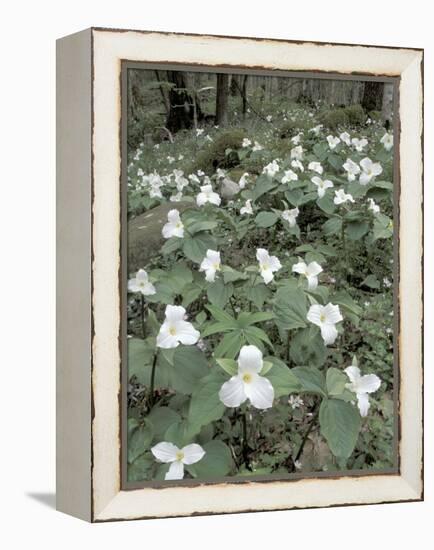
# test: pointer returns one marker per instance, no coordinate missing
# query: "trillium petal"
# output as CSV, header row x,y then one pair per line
x,y
186,333
363,403
210,275
206,264
369,383
366,164
300,267
262,255
260,392
312,282
133,286
166,340
165,451
174,313
250,360
353,373
142,275
148,289
314,314
192,453
332,313
267,275
314,268
329,334
201,199
176,471
232,392
275,264
364,178
173,216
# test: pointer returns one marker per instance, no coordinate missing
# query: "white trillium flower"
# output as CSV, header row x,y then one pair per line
x,y
170,159
171,454
359,144
289,175
246,142
248,384
267,264
341,197
296,139
174,226
271,169
369,170
269,118
297,152
325,317
345,137
297,164
257,147
210,264
316,129
322,185
177,197
140,283
155,192
176,330
199,131
243,180
373,206
291,216
247,208
316,167
207,195
352,169
310,271
333,141
387,141
362,386
194,178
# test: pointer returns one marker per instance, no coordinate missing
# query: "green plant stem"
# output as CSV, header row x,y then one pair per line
x,y
253,284
344,251
151,388
307,432
288,340
142,315
245,448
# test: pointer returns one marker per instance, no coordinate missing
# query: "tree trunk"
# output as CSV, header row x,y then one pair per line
x,y
244,95
183,110
163,92
221,115
372,98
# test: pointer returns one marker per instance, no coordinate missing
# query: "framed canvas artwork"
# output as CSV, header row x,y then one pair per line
x,y
239,274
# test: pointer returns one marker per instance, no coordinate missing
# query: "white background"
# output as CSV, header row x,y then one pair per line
x,y
27,220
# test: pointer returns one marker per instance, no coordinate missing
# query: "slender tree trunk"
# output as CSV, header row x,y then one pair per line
x,y
183,110
221,115
163,94
244,95
373,96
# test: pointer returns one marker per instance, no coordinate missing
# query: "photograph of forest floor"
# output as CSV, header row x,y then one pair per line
x,y
260,276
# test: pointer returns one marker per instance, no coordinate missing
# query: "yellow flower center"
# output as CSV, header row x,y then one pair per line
x,y
216,266
179,455
247,378
322,318
172,331
265,267
179,225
